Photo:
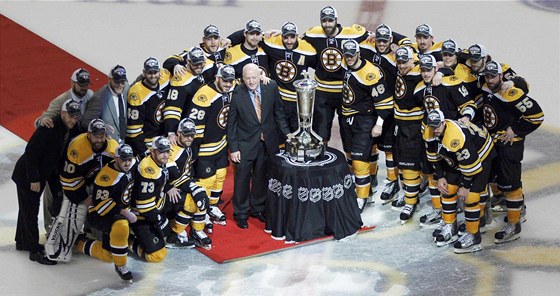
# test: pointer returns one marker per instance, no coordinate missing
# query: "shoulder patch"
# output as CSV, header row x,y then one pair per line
x,y
370,76
512,92
455,143
74,153
134,99
105,178
149,170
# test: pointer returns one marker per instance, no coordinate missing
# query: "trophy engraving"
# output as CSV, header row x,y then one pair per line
x,y
304,144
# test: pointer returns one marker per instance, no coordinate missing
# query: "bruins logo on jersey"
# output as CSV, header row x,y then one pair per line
x,y
150,170
159,112
453,78
455,143
134,98
400,88
227,58
286,70
222,117
490,118
512,92
348,96
331,58
74,153
126,193
177,78
104,178
431,103
370,76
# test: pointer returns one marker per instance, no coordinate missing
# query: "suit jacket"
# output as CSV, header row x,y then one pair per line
x,y
43,154
243,127
101,106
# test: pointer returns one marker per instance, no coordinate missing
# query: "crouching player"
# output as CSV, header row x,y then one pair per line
x,y
111,213
190,202
469,150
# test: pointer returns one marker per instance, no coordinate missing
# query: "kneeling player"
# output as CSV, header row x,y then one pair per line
x,y
111,211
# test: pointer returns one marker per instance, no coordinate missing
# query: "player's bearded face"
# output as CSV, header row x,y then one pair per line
x,y
351,60
212,43
160,157
329,26
151,77
439,130
494,82
186,140
80,90
197,68
289,41
253,39
405,67
477,66
97,141
424,42
124,164
69,120
224,86
449,60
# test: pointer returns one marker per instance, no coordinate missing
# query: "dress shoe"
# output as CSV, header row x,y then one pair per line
x,y
242,224
21,247
259,216
41,258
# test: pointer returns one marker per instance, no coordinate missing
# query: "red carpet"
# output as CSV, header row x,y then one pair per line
x,y
231,243
35,71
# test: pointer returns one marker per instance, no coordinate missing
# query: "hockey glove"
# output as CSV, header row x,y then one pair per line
x,y
199,195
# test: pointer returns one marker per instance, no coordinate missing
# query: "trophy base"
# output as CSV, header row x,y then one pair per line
x,y
307,154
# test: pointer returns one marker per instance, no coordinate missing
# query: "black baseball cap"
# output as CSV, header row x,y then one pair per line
x,y
427,62
97,127
253,26
477,52
71,107
161,144
403,54
328,12
449,46
227,73
151,64
493,68
350,47
289,28
210,31
424,30
118,73
124,152
187,126
81,76
196,55
435,118
383,32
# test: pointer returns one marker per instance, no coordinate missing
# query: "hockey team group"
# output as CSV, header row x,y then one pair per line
x,y
140,167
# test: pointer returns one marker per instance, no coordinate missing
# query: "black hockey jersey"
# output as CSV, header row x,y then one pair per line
x,y
112,190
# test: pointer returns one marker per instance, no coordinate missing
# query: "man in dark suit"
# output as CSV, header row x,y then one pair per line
x,y
43,154
109,105
256,126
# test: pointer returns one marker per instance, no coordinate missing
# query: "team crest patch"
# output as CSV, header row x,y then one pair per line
x,y
453,78
455,143
150,170
74,153
227,58
203,98
177,78
134,97
104,178
512,92
370,77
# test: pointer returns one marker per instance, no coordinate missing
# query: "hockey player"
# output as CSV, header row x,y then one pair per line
x,y
111,213
191,202
148,202
509,116
381,55
469,149
209,111
42,156
146,100
365,104
327,41
453,99
249,51
213,46
85,156
425,42
181,92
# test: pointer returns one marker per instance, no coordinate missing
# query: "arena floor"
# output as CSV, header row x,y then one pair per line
x,y
394,259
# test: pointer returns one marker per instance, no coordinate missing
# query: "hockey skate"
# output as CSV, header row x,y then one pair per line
x,y
431,218
372,189
200,239
407,213
179,241
216,215
124,273
398,204
438,229
447,235
390,192
208,225
468,243
509,233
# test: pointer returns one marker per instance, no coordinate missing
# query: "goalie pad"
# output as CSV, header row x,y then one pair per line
x,y
64,231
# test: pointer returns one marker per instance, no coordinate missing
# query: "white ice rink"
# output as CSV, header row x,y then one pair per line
x,y
391,260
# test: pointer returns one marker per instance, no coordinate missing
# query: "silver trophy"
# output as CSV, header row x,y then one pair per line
x,y
304,144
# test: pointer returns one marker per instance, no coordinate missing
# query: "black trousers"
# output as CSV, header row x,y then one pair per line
x,y
249,185
27,230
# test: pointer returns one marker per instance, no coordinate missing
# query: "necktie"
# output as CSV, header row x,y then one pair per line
x,y
122,114
257,105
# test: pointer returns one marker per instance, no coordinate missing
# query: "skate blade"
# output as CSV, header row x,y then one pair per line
x,y
428,225
221,223
443,244
514,237
469,250
206,247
